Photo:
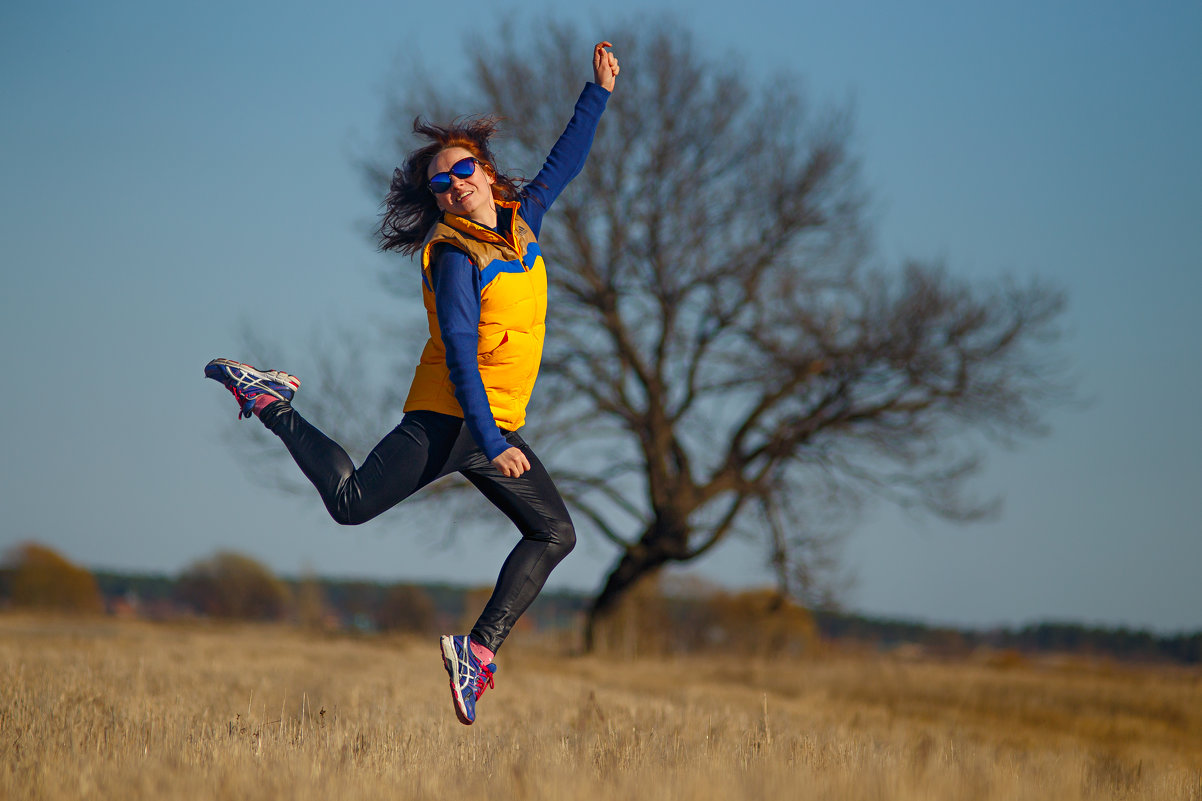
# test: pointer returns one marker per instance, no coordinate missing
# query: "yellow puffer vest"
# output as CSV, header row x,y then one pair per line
x,y
513,312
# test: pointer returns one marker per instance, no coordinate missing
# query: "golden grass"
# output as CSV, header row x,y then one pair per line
x,y
125,710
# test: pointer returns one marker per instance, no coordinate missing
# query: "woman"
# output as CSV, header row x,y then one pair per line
x,y
485,289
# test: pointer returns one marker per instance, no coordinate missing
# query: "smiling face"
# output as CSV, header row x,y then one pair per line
x,y
469,197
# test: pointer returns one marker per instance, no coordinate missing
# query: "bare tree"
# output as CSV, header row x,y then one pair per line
x,y
722,354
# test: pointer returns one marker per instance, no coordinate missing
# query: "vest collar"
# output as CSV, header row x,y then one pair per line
x,y
484,233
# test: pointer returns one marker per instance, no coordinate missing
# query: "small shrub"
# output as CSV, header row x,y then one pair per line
x,y
233,586
38,577
759,623
408,608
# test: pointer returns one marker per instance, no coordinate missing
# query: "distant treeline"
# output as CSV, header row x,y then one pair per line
x,y
341,603
655,618
1049,637
363,604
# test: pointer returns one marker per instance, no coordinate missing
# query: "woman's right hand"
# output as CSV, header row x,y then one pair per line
x,y
512,463
605,66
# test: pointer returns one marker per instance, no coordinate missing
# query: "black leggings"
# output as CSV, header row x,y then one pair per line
x,y
424,447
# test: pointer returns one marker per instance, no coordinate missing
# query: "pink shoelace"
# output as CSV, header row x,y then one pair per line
x,y
237,394
484,681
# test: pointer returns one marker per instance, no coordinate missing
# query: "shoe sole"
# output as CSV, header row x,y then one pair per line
x,y
450,660
278,376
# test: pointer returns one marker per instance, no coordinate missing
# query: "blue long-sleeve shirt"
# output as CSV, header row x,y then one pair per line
x,y
456,281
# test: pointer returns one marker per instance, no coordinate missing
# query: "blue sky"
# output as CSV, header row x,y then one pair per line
x,y
168,169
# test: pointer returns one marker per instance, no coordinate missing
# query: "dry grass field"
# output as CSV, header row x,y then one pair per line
x,y
123,710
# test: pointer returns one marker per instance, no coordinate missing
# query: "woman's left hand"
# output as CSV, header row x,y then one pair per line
x,y
512,463
605,66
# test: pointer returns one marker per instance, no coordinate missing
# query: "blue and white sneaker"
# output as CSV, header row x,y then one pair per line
x,y
469,678
248,383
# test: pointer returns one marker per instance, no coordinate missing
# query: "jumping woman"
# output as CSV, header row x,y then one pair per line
x,y
484,287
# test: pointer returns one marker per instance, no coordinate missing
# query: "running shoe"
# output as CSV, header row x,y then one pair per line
x,y
249,383
469,678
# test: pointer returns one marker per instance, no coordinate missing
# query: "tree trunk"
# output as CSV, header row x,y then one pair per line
x,y
658,546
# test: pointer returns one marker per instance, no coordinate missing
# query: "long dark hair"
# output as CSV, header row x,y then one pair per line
x,y
410,210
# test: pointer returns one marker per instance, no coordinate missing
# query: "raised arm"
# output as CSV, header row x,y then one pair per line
x,y
570,151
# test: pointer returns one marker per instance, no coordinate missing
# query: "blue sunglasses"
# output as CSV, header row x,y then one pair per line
x,y
464,168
